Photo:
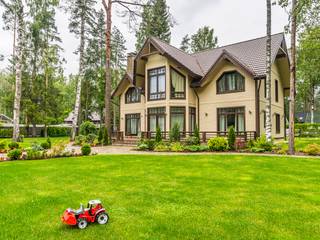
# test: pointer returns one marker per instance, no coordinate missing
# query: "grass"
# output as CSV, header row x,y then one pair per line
x,y
27,142
300,143
164,197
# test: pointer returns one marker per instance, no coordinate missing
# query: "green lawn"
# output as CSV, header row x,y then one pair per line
x,y
27,142
164,197
300,143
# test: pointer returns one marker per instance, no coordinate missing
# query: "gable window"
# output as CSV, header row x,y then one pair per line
x,y
277,123
178,116
178,84
277,90
132,95
156,117
192,119
132,124
157,83
230,82
228,117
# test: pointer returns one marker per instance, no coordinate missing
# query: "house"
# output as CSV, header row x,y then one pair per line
x,y
93,117
5,119
213,89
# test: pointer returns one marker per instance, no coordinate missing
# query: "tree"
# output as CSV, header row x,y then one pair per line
x,y
268,74
81,19
204,39
185,44
156,22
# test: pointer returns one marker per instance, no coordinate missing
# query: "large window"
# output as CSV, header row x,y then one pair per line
x,y
157,117
276,90
178,85
228,117
157,83
278,123
132,95
178,116
132,124
230,82
192,119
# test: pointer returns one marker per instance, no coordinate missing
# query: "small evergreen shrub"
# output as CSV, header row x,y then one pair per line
x,y
196,133
158,135
14,154
86,149
151,144
162,147
231,138
87,128
100,135
13,145
175,133
192,140
49,142
218,144
106,138
3,146
176,147
312,149
45,145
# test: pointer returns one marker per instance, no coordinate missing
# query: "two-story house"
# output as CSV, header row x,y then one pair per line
x,y
213,89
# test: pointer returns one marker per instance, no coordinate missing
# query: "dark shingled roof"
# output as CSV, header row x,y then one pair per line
x,y
250,54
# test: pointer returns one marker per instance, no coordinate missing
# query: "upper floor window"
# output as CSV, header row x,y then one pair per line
x,y
178,85
230,82
132,95
157,83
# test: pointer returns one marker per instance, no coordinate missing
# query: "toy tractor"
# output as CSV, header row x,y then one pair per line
x,y
82,216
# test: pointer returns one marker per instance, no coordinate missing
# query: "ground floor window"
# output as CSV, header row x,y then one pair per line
x,y
178,116
228,117
157,117
277,123
132,124
192,119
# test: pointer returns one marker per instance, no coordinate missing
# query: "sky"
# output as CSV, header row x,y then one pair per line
x,y
232,20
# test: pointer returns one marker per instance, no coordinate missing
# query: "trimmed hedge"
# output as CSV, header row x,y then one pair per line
x,y
58,132
8,132
307,129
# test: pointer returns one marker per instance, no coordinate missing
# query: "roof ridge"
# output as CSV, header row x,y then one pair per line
x,y
249,40
171,45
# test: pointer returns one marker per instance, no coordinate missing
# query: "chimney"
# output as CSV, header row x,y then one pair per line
x,y
130,62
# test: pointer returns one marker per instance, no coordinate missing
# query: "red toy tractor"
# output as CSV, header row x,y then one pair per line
x,y
82,216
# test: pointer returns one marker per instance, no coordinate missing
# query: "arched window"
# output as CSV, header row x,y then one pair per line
x,y
230,82
132,95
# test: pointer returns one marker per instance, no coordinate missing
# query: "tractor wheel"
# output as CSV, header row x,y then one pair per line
x,y
102,218
82,223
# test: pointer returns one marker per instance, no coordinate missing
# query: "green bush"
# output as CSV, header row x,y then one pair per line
x,y
90,138
142,146
87,128
196,133
13,145
158,135
218,144
45,145
231,138
14,154
151,144
80,140
106,138
196,148
86,149
100,135
262,143
192,140
312,149
162,147
34,154
176,147
49,142
36,146
5,132
3,146
55,131
257,150
175,133
308,129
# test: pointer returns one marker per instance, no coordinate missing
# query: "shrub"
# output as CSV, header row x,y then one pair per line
x,y
6,132
80,140
312,149
151,144
100,135
257,150
162,147
176,147
55,131
196,133
158,135
262,143
34,154
36,146
90,138
192,140
2,146
231,138
49,142
86,149
13,145
87,128
175,133
14,154
45,145
142,146
218,144
106,138
58,150
192,148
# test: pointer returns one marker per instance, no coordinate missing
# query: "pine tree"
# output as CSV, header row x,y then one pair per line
x,y
185,44
204,39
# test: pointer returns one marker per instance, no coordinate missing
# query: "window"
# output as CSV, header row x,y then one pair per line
x,y
277,123
178,85
277,90
132,124
157,83
157,117
132,95
264,119
230,82
177,116
228,117
192,119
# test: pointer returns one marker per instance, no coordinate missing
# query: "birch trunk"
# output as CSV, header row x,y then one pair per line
x,y
292,77
268,74
312,104
79,84
18,72
107,115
